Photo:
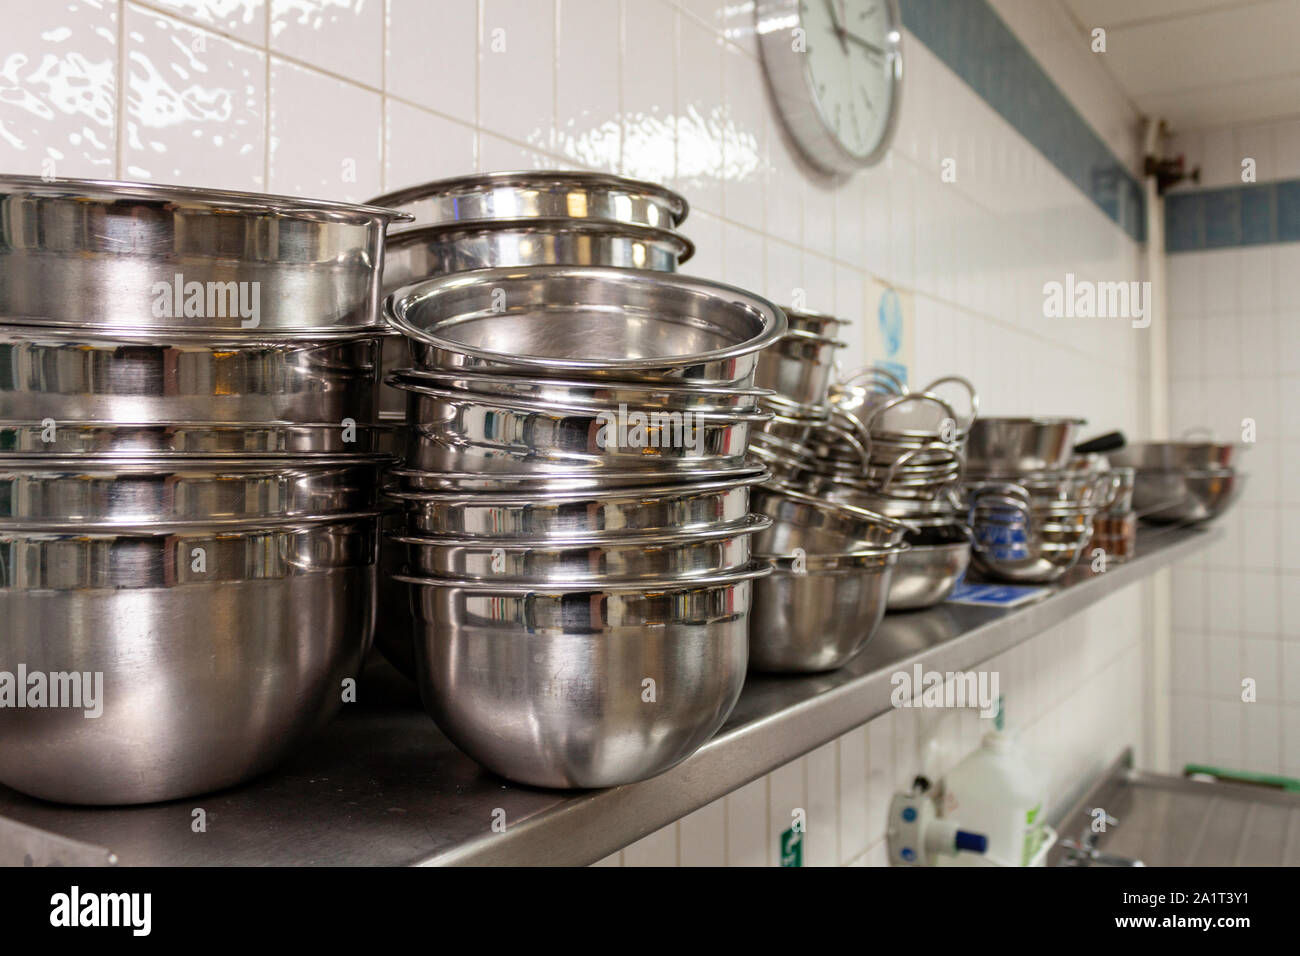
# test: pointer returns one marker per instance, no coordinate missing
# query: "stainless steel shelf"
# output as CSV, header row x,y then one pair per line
x,y
383,786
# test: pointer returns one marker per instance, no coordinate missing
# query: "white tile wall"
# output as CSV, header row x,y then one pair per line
x,y
1234,318
344,99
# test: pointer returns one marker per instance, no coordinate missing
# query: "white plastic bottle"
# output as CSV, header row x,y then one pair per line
x,y
996,791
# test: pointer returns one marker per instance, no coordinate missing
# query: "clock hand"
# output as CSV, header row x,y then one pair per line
x,y
865,44
836,25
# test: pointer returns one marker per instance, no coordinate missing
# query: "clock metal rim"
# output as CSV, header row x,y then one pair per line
x,y
801,111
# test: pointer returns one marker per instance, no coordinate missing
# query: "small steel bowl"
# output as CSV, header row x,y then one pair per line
x,y
815,526
927,572
816,612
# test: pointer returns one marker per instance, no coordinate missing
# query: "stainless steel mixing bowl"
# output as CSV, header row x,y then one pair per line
x,y
930,568
201,439
457,431
622,558
206,678
413,254
71,375
539,194
85,253
573,482
799,367
1008,446
1173,455
130,493
568,514
816,526
587,321
1013,541
606,394
1185,496
581,686
816,612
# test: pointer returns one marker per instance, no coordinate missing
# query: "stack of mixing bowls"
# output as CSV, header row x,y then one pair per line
x,y
188,479
1031,514
915,443
575,487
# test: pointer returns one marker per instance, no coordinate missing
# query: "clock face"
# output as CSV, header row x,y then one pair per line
x,y
835,69
851,68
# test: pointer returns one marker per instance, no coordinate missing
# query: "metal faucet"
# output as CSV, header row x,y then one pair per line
x,y
1084,852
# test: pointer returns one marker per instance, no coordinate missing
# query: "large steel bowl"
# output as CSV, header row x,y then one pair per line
x,y
587,321
413,254
162,494
815,526
115,255
539,194
71,375
500,516
1008,446
1185,495
207,675
454,431
930,568
581,686
1174,455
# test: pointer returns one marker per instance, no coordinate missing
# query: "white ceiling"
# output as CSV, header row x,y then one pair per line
x,y
1201,63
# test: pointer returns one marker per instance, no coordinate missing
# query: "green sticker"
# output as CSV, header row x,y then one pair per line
x,y
792,847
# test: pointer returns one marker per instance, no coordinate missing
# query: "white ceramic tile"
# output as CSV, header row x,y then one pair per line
x,y
821,843
1290,677
787,805
744,139
747,825
1261,738
517,71
706,231
703,836
1261,661
195,105
432,58
244,19
743,257
1286,144
1256,142
648,80
343,37
588,129
500,155
1225,733
1223,666
420,146
657,849
855,809
700,115
784,283
1188,664
325,135
58,89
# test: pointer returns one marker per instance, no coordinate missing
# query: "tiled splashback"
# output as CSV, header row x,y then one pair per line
x,y
1235,338
345,98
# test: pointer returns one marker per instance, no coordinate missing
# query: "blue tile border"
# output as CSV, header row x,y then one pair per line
x,y
972,40
1248,215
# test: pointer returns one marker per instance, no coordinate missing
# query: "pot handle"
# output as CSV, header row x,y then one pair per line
x,y
863,449
876,376
973,397
898,400
1111,441
907,456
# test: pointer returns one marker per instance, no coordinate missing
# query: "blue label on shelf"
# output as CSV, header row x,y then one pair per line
x,y
994,595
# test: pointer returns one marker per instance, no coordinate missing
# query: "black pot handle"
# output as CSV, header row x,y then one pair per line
x,y
1111,441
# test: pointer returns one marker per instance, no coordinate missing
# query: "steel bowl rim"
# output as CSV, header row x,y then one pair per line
x,y
399,302
749,524
543,225
752,571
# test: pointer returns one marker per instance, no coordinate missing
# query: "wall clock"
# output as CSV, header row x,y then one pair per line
x,y
835,68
